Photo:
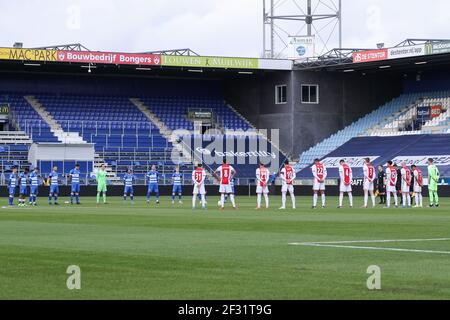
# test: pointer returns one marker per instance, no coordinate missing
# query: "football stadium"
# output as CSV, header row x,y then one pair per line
x,y
173,175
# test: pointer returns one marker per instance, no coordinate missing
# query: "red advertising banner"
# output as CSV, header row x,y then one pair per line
x,y
436,111
370,56
109,58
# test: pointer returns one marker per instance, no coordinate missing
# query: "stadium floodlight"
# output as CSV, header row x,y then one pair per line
x,y
421,62
143,69
32,64
384,67
349,70
195,70
380,45
245,72
318,22
18,45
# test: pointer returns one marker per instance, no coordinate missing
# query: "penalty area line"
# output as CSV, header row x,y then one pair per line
x,y
344,245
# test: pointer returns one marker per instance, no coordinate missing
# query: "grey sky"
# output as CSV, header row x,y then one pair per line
x,y
210,27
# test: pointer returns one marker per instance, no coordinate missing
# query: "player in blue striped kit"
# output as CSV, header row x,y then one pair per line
x,y
128,180
12,184
54,187
153,176
74,175
34,186
177,188
23,187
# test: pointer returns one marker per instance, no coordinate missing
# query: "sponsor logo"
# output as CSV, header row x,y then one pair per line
x,y
108,58
28,54
237,154
204,151
406,52
421,161
440,48
301,51
354,162
210,62
370,56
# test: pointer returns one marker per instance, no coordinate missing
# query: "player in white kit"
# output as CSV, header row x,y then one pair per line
x,y
406,185
369,178
262,188
319,172
198,177
418,184
391,182
225,174
287,175
346,177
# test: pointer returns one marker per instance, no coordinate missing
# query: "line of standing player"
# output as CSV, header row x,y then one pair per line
x,y
409,177
28,184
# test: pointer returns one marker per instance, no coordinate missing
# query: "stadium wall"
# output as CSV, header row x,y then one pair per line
x,y
343,98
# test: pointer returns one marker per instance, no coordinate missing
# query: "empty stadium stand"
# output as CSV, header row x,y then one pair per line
x,y
25,118
411,149
126,132
392,119
173,112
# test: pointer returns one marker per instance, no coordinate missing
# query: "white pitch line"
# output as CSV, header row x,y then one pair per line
x,y
370,241
341,245
370,248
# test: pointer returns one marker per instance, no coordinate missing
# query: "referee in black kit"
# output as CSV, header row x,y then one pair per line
x,y
381,185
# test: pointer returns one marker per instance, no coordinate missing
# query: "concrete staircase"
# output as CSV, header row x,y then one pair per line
x,y
15,137
163,129
181,152
111,175
56,129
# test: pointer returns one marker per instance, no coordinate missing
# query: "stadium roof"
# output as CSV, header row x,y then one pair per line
x,y
76,54
407,51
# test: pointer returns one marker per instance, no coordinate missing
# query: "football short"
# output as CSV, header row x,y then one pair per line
x,y
23,190
287,188
153,187
54,189
417,189
11,191
34,190
406,188
101,187
262,190
199,189
391,189
319,186
368,185
75,188
177,190
128,190
345,188
225,188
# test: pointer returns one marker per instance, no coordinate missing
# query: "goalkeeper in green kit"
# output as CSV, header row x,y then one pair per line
x,y
433,180
101,183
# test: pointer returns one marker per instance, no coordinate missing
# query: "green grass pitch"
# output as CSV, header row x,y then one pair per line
x,y
173,252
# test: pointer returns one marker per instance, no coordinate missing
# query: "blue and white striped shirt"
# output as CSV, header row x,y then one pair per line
x,y
54,178
128,179
176,177
34,178
13,180
153,177
23,179
75,174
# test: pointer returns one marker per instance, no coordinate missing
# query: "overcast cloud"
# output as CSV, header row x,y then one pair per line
x,y
210,27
